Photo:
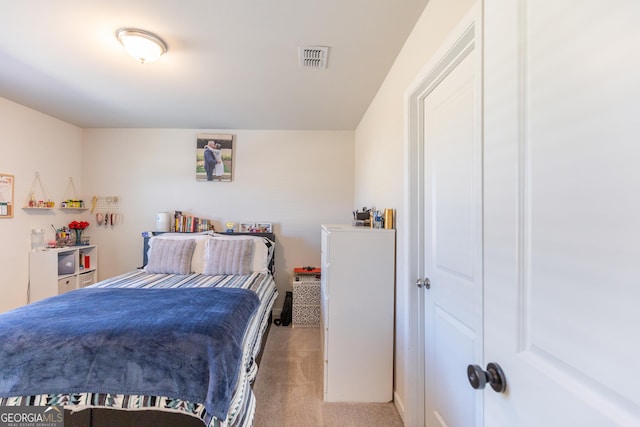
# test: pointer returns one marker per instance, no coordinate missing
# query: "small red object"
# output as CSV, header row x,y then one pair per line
x,y
306,270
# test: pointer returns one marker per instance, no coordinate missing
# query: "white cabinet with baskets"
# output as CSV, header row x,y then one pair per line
x,y
56,271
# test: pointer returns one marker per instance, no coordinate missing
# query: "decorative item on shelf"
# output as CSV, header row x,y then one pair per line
x,y
264,227
78,237
388,219
72,204
106,210
70,200
63,237
38,201
256,227
229,227
362,218
163,221
53,243
378,220
78,227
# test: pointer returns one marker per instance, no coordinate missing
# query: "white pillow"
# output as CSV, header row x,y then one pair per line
x,y
197,261
261,253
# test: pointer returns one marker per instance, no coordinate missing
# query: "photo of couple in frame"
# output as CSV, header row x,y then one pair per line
x,y
214,157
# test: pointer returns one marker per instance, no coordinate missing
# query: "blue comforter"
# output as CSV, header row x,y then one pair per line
x,y
181,343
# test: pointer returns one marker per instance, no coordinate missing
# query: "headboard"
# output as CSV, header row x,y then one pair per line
x,y
270,236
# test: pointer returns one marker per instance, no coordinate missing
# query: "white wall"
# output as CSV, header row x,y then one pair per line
x,y
32,142
293,179
380,151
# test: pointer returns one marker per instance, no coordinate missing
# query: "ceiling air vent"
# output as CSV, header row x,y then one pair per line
x,y
313,56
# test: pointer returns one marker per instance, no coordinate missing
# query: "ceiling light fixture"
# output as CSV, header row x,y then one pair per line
x,y
141,44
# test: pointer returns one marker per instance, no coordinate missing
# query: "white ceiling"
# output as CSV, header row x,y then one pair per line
x,y
231,64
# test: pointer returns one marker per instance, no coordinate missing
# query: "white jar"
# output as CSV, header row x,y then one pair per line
x,y
163,221
37,239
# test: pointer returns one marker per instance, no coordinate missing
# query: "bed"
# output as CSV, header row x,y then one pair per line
x,y
176,342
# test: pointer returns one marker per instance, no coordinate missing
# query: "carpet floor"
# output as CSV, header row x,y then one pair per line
x,y
288,387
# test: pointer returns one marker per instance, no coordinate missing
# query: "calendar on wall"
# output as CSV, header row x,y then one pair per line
x,y
6,195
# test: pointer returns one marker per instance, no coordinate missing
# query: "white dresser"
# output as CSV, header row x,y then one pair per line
x,y
357,306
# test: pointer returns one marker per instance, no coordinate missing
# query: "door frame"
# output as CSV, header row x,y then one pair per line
x,y
466,36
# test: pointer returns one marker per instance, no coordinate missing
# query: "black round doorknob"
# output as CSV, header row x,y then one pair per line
x,y
478,377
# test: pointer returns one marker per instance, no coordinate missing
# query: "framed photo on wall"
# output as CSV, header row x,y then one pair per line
x,y
214,157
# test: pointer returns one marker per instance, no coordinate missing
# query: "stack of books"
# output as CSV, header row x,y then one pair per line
x,y
184,223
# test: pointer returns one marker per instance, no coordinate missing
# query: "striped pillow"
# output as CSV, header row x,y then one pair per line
x,y
170,256
228,256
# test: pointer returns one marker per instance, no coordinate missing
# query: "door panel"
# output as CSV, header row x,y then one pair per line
x,y
562,210
455,346
453,252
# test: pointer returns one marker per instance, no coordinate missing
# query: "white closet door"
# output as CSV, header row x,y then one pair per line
x,y
562,211
453,240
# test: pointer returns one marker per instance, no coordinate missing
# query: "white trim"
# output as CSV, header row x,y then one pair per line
x,y
399,404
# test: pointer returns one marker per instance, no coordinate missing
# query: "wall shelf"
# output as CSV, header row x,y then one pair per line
x,y
41,202
70,200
